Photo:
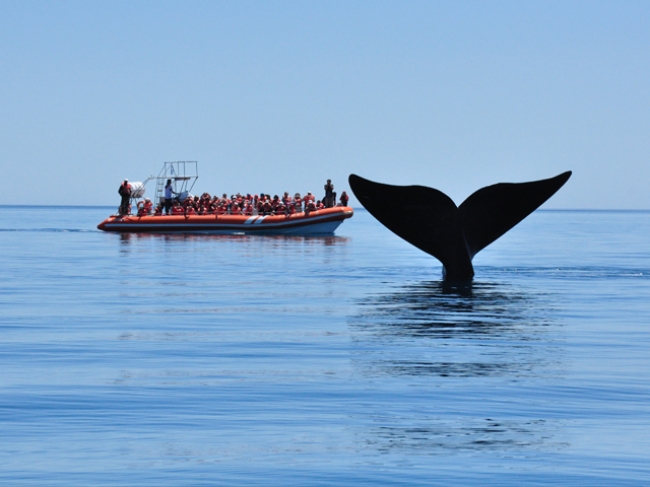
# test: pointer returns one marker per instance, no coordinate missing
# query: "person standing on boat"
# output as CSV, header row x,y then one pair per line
x,y
329,199
125,193
169,194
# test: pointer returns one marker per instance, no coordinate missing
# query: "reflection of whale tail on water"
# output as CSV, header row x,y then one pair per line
x,y
429,219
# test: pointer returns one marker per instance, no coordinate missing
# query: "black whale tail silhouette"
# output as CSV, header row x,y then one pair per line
x,y
429,219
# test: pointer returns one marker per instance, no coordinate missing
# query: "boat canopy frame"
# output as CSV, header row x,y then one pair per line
x,y
183,175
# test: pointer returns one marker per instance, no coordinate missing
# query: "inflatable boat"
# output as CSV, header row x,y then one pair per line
x,y
319,222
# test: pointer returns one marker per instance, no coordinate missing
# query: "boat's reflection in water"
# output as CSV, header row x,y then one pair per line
x,y
241,245
460,359
325,240
263,250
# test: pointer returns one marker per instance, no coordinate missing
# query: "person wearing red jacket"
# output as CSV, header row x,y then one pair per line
x,y
344,199
125,193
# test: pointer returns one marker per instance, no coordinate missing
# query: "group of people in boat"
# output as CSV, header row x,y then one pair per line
x,y
262,204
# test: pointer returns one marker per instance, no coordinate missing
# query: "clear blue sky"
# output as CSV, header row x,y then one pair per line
x,y
271,96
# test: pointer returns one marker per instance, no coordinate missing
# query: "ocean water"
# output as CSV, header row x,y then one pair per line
x,y
149,360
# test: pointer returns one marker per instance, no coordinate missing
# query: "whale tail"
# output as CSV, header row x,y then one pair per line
x,y
429,219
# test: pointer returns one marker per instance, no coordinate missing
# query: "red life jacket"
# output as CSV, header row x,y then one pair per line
x,y
125,189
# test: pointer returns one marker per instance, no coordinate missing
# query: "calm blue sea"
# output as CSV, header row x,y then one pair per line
x,y
147,360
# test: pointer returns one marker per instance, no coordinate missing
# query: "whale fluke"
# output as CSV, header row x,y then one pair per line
x,y
429,219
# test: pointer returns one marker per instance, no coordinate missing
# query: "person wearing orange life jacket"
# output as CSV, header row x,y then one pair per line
x,y
145,207
308,198
309,207
275,202
125,192
344,199
297,202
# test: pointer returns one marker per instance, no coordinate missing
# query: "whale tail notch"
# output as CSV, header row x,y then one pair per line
x,y
429,219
